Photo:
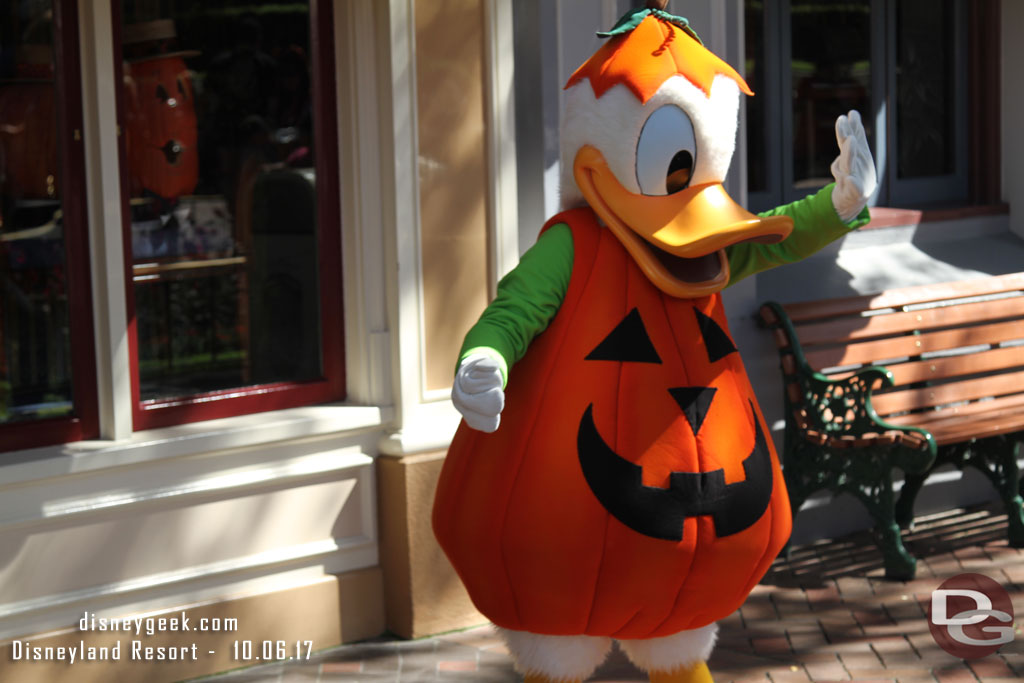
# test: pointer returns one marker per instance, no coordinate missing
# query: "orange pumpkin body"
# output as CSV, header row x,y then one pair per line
x,y
630,490
161,127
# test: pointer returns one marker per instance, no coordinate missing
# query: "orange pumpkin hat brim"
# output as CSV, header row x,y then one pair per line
x,y
645,57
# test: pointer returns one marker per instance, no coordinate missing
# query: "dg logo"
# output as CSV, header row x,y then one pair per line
x,y
971,616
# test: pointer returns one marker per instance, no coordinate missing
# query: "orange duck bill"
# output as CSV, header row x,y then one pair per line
x,y
679,239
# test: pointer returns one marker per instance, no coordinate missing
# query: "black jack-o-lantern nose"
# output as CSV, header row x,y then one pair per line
x,y
660,512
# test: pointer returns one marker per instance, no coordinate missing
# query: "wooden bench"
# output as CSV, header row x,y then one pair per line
x,y
903,380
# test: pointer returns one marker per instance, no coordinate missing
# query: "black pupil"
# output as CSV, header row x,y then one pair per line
x,y
161,93
679,171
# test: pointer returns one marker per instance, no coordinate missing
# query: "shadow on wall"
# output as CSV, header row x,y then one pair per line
x,y
875,260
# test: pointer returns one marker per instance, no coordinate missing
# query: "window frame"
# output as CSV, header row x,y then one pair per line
x,y
157,413
778,122
83,423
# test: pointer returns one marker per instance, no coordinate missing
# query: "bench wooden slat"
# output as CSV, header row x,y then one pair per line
x,y
967,428
999,406
899,347
912,399
957,366
949,367
816,310
895,323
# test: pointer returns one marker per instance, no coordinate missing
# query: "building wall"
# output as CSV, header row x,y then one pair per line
x,y
273,518
270,518
439,289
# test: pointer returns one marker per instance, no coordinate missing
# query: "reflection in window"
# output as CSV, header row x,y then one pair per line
x,y
220,150
35,365
831,74
925,88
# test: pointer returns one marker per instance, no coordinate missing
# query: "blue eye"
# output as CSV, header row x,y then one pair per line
x,y
666,152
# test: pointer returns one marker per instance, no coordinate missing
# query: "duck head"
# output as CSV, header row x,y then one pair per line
x,y
648,134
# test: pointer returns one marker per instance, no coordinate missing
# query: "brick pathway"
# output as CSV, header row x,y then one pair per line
x,y
825,614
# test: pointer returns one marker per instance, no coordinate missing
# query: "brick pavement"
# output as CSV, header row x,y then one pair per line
x,y
825,613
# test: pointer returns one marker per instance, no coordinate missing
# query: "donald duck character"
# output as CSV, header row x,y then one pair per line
x,y
612,477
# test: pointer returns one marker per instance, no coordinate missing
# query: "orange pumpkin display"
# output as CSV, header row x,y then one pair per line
x,y
161,127
641,499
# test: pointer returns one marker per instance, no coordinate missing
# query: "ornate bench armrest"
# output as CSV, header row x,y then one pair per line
x,y
837,412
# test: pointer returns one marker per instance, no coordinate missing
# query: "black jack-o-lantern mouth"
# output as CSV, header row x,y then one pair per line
x,y
660,513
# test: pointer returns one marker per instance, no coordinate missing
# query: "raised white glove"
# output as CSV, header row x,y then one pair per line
x,y
477,392
853,169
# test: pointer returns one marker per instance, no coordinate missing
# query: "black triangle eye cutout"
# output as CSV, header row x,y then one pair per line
x,y
627,343
695,402
716,340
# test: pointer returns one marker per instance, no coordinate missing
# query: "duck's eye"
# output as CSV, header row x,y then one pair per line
x,y
161,93
666,152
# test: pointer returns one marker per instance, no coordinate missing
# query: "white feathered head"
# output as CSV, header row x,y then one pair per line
x,y
647,137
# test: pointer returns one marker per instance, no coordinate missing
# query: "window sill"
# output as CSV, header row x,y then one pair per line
x,y
191,439
886,217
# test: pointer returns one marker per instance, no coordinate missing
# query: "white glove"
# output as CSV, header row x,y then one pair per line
x,y
477,392
853,169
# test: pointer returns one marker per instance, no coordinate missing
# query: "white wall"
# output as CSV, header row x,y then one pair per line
x,y
1013,112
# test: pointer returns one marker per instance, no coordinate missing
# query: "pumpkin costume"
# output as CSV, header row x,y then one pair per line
x,y
631,490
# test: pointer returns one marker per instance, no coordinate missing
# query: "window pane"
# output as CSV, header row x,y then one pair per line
x,y
831,74
221,151
925,88
35,360
757,153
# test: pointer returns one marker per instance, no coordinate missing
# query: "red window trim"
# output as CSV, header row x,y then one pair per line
x,y
262,398
84,423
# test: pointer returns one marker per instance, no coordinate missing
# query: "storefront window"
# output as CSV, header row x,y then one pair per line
x,y
234,258
926,105
43,260
900,63
831,74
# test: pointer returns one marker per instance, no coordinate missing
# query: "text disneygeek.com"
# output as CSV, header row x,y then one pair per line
x,y
137,649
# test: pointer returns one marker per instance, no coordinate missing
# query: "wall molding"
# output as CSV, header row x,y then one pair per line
x,y
61,501
361,550
425,419
367,339
106,241
198,438
503,211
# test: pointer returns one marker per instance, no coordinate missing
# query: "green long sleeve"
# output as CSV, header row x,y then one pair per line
x,y
527,300
529,297
815,225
